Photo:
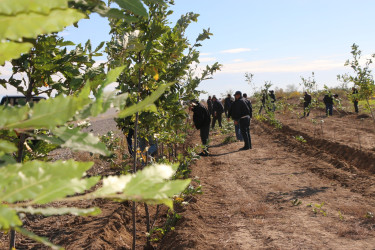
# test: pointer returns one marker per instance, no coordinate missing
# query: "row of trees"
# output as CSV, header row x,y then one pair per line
x,y
151,63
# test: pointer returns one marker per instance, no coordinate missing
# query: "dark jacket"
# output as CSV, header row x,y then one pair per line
x,y
307,100
201,116
239,109
328,99
227,103
248,103
273,97
209,105
217,107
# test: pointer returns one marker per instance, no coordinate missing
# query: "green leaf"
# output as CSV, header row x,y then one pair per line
x,y
134,6
8,218
37,238
76,140
12,7
145,103
43,182
32,24
7,147
59,211
45,114
148,185
12,50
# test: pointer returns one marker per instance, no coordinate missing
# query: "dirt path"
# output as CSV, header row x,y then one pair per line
x,y
248,200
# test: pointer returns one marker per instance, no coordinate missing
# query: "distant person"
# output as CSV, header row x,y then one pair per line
x,y
306,104
328,102
218,110
355,99
209,105
273,100
201,119
241,114
263,100
227,103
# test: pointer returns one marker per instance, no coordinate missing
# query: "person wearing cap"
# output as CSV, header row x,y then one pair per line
x,y
201,119
240,113
217,109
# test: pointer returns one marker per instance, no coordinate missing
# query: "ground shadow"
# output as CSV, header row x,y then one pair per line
x,y
227,153
277,197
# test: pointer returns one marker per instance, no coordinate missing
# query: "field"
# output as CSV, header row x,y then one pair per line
x,y
307,185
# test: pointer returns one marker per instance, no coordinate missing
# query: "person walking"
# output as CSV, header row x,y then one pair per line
x,y
355,99
263,100
201,119
328,101
306,104
227,103
241,114
217,109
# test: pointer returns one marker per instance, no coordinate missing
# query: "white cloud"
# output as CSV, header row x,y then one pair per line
x,y
204,54
6,70
238,50
207,59
282,65
238,60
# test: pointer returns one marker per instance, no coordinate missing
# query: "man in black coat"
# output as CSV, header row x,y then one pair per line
x,y
328,101
355,99
240,113
306,104
209,105
201,119
217,109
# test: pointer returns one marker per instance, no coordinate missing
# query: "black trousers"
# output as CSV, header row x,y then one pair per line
x,y
204,132
245,131
306,109
218,117
356,106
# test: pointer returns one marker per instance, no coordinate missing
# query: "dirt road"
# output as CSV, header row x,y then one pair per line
x,y
279,195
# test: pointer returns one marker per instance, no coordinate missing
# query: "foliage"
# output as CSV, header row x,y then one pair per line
x,y
363,78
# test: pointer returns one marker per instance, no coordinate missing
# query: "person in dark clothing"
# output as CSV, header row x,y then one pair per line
x,y
217,109
240,113
306,104
248,103
227,103
209,105
273,100
264,97
201,119
355,99
129,139
328,101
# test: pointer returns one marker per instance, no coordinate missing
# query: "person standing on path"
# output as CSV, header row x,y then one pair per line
x,y
355,99
217,109
227,103
209,105
263,100
306,104
328,101
273,100
241,114
201,119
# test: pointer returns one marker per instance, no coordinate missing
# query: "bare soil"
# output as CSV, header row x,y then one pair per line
x,y
282,194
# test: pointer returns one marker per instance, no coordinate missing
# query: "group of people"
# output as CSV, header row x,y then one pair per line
x,y
239,109
328,102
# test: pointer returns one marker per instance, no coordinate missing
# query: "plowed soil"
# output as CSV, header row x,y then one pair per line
x,y
282,194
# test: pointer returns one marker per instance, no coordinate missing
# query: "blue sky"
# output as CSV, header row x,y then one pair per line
x,y
277,41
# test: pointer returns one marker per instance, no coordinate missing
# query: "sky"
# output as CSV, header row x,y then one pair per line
x,y
277,41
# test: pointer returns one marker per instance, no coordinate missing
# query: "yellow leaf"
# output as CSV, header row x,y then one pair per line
x,y
156,77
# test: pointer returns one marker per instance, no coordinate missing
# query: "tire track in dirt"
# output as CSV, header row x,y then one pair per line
x,y
247,202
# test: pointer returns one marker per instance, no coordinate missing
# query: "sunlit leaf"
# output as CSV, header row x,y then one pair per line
x,y
8,218
134,6
12,50
59,211
12,7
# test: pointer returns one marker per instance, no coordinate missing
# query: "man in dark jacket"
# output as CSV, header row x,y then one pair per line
x,y
209,105
217,109
227,103
273,100
240,113
306,104
328,101
201,119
